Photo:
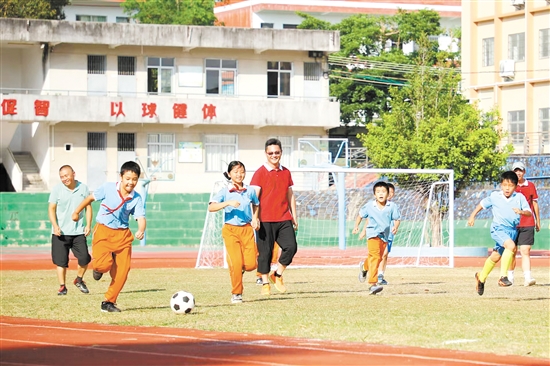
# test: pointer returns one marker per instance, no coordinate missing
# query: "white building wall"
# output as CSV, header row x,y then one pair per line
x,y
11,69
111,12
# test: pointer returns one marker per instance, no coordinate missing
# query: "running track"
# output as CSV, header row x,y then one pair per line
x,y
27,342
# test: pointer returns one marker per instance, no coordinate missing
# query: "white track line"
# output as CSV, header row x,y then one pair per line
x,y
252,343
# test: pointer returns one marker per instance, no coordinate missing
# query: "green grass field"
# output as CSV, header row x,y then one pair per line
x,y
426,307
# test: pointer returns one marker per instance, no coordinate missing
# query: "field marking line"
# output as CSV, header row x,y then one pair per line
x,y
95,348
252,343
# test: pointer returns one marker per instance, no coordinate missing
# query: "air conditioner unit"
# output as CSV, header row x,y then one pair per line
x,y
507,68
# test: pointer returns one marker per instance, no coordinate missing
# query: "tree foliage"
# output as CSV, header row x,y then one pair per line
x,y
431,126
33,9
184,12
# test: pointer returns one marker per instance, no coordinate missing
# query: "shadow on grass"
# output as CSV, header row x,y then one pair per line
x,y
140,291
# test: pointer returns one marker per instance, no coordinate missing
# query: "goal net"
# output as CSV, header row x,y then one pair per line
x,y
328,202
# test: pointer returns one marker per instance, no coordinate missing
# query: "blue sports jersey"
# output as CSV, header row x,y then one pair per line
x,y
502,208
237,216
115,211
380,220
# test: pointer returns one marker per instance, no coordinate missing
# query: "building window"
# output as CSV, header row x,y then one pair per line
x,y
220,76
97,141
544,118
516,47
97,64
220,150
160,153
290,26
544,43
126,141
266,25
278,78
91,18
122,20
126,65
488,51
159,75
312,71
516,126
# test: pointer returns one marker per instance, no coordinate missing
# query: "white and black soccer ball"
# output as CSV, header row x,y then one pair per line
x,y
182,302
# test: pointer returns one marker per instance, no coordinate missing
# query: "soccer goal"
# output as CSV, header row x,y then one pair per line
x,y
327,209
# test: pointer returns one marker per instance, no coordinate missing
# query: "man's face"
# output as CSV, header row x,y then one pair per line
x,y
273,154
67,176
520,173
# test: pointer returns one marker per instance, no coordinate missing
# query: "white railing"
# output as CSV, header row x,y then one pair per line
x,y
13,169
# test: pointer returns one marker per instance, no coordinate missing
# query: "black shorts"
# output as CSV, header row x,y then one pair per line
x,y
270,232
526,236
61,246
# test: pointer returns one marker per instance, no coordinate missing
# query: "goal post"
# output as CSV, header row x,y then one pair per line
x,y
327,209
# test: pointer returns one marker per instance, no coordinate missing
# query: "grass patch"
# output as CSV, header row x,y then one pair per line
x,y
435,308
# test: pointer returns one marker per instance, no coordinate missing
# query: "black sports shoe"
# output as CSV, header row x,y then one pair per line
x,y
81,286
480,286
362,273
109,307
374,289
504,282
62,290
96,275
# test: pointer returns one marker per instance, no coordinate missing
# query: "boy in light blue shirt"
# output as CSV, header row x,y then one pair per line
x,y
380,214
507,206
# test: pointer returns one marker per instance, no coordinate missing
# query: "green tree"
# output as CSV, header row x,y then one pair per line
x,y
431,126
310,22
184,12
33,9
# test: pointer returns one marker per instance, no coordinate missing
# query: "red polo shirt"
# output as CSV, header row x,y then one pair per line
x,y
274,184
530,192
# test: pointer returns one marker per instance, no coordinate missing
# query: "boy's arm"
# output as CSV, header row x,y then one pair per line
x,y
53,218
472,217
537,216
364,231
395,226
81,207
89,214
140,233
357,223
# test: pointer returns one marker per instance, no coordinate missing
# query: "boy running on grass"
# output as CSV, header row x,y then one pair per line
x,y
507,207
382,268
112,237
380,214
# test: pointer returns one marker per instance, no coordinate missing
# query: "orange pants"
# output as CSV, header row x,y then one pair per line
x,y
274,257
376,247
241,253
105,243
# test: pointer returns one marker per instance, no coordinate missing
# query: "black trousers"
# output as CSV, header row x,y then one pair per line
x,y
270,232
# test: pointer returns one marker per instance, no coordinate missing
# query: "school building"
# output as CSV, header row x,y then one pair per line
x,y
506,65
181,100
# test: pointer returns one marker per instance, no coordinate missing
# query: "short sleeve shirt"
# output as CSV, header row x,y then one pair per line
x,y
114,211
274,185
530,192
380,220
237,216
66,202
502,208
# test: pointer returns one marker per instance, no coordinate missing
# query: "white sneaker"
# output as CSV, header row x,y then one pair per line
x,y
529,282
236,298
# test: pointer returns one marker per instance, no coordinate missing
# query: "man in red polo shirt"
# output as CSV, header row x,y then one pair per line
x,y
277,215
527,225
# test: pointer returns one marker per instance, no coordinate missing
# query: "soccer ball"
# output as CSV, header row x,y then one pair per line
x,y
182,302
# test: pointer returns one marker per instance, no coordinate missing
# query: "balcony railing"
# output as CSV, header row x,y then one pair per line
x,y
530,142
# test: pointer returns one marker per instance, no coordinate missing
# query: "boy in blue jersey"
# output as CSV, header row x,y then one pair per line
x,y
507,206
112,236
380,214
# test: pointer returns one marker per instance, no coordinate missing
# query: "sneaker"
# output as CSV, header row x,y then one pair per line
x,y
374,289
266,289
259,281
504,282
381,280
480,286
109,307
236,298
62,290
96,275
81,286
279,285
530,282
362,272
